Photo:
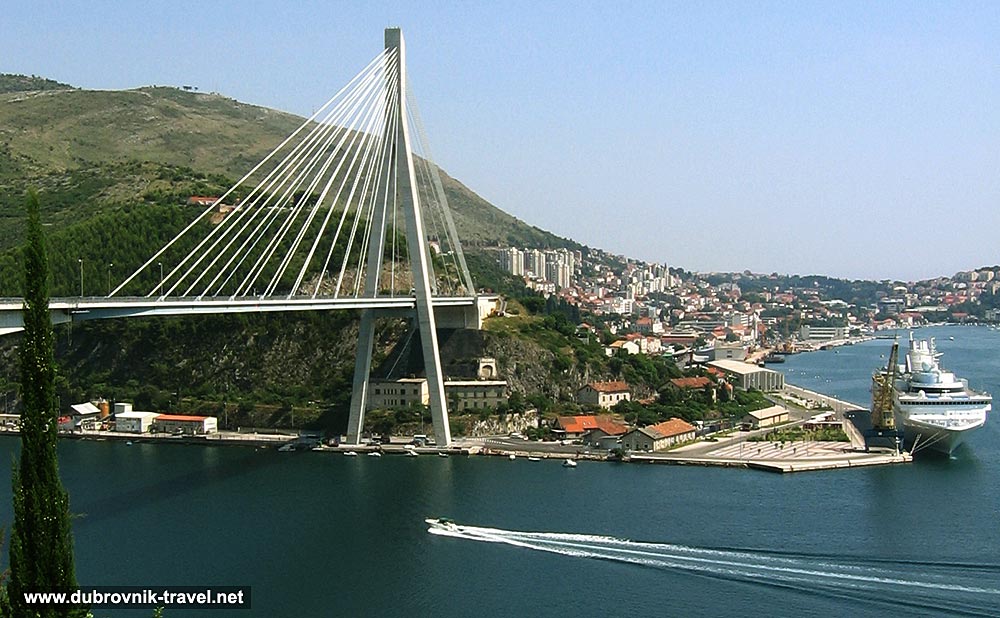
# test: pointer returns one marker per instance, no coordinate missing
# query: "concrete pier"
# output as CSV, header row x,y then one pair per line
x,y
789,457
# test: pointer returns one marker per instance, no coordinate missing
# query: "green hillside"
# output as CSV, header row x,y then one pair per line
x,y
114,170
88,151
26,83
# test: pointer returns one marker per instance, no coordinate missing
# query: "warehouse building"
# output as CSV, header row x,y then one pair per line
x,y
747,376
660,436
135,422
184,424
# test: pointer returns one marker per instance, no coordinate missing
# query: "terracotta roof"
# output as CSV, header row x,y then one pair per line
x,y
610,426
181,417
673,427
618,386
577,424
696,382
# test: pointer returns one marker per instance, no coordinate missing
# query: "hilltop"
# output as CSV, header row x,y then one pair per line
x,y
88,151
27,83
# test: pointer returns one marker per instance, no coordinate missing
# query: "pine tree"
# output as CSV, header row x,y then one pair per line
x,y
41,541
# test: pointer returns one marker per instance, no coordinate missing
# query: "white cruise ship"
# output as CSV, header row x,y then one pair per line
x,y
935,409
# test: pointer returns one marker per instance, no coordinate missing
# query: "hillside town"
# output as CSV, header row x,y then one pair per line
x,y
651,308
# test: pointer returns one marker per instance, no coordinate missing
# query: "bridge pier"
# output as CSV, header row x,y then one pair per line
x,y
362,369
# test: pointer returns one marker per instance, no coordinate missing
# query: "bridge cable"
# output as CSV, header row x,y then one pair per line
x,y
252,171
279,174
293,213
365,170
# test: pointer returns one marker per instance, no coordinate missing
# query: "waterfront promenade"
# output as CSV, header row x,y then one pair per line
x,y
734,449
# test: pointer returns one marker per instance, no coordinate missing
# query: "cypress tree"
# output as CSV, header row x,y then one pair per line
x,y
41,541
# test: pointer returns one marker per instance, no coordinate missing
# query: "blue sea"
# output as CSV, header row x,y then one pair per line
x,y
315,534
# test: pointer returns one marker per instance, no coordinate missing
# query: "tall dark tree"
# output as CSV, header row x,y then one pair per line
x,y
41,541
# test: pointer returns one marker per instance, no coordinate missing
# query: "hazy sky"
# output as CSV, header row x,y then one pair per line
x,y
849,139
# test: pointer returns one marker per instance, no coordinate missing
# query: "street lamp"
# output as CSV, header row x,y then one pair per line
x,y
80,260
160,264
110,266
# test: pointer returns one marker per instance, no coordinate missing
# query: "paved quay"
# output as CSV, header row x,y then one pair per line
x,y
797,456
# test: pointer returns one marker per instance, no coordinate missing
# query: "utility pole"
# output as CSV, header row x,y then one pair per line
x,y
160,264
80,260
110,266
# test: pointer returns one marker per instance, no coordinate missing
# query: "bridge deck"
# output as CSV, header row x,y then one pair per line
x,y
103,307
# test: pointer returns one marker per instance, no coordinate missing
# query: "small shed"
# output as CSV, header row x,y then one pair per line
x,y
768,417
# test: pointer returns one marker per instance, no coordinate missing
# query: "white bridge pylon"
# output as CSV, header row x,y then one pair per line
x,y
401,174
348,212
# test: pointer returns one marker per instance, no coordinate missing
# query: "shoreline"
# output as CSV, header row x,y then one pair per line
x,y
731,452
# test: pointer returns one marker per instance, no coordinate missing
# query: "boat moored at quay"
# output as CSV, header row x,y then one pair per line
x,y
935,409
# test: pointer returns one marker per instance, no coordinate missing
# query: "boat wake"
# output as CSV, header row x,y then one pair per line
x,y
956,588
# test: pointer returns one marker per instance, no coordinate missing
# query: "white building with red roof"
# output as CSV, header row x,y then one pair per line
x,y
604,394
659,436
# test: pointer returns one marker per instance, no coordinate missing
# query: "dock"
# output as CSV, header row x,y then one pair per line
x,y
780,457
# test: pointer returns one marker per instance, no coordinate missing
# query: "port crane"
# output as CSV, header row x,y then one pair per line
x,y
883,421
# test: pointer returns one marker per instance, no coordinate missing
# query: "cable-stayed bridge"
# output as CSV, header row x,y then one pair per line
x,y
347,213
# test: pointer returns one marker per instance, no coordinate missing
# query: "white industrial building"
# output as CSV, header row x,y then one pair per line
x,y
85,415
184,424
749,376
134,422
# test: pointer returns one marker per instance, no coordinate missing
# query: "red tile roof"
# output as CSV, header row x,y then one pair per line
x,y
673,427
181,417
580,424
611,427
617,386
577,424
696,382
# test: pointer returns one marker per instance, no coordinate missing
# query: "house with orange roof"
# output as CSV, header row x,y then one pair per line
x,y
575,426
622,346
691,383
660,436
604,394
607,434
202,200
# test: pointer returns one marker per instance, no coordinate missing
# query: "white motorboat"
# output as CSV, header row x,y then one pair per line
x,y
443,523
568,463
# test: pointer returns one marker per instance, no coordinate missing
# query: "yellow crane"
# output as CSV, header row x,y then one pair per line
x,y
883,386
883,431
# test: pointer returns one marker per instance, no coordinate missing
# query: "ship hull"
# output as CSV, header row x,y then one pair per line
x,y
919,436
